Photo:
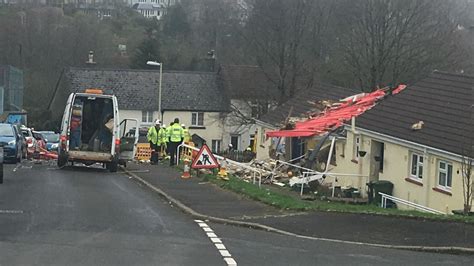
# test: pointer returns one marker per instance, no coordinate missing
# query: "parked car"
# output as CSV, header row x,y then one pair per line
x,y
52,140
12,141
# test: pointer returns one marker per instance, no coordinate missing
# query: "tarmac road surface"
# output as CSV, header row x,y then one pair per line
x,y
82,216
88,216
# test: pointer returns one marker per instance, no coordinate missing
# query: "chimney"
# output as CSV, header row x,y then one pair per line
x,y
211,60
90,61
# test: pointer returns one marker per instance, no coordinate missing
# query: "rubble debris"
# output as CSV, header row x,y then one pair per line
x,y
269,170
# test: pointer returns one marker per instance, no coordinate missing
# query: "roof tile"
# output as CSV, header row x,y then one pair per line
x,y
443,101
138,89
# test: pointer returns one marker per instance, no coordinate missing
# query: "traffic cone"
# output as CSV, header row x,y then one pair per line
x,y
186,173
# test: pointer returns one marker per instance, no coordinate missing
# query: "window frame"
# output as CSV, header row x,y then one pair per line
x,y
195,121
216,145
148,115
446,172
420,161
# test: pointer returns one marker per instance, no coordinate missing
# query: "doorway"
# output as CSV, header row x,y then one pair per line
x,y
377,159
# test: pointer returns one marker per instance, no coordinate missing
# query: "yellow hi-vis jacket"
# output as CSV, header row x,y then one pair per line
x,y
187,136
164,135
175,133
156,137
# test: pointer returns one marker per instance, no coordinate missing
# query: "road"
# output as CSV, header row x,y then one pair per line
x,y
87,216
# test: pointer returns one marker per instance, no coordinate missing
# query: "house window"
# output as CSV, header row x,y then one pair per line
x,y
445,174
147,116
416,166
216,145
197,119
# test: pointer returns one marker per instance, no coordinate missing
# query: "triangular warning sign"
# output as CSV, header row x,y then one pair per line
x,y
205,159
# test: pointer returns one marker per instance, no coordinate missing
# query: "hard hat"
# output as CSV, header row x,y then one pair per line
x,y
157,122
183,125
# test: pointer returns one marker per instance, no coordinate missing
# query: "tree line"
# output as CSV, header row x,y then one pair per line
x,y
353,43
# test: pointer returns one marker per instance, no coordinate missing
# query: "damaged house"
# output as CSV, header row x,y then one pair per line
x,y
417,140
299,108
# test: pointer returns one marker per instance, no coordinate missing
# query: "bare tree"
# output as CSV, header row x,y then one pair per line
x,y
467,163
285,41
467,181
392,40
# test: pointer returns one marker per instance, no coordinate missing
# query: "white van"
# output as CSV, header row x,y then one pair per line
x,y
91,132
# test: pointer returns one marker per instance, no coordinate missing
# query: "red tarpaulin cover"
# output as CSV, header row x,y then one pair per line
x,y
336,115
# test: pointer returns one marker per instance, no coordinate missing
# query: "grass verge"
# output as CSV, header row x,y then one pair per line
x,y
282,200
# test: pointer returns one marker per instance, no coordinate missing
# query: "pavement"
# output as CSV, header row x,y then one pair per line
x,y
208,199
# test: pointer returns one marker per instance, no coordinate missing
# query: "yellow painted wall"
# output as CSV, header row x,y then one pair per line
x,y
345,161
396,169
263,144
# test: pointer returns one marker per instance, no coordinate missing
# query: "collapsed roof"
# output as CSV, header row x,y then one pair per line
x,y
336,114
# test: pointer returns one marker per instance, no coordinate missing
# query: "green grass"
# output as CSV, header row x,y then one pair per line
x,y
282,200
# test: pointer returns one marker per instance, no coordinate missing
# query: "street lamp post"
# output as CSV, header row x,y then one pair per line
x,y
154,63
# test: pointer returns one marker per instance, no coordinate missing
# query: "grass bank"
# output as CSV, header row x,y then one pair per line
x,y
284,199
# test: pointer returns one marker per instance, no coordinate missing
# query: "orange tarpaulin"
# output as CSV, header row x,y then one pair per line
x,y
336,115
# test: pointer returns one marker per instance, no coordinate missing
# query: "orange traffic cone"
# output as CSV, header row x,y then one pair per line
x,y
186,173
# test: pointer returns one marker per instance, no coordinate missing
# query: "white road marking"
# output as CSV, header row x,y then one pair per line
x,y
11,211
211,235
217,242
220,246
225,253
230,261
